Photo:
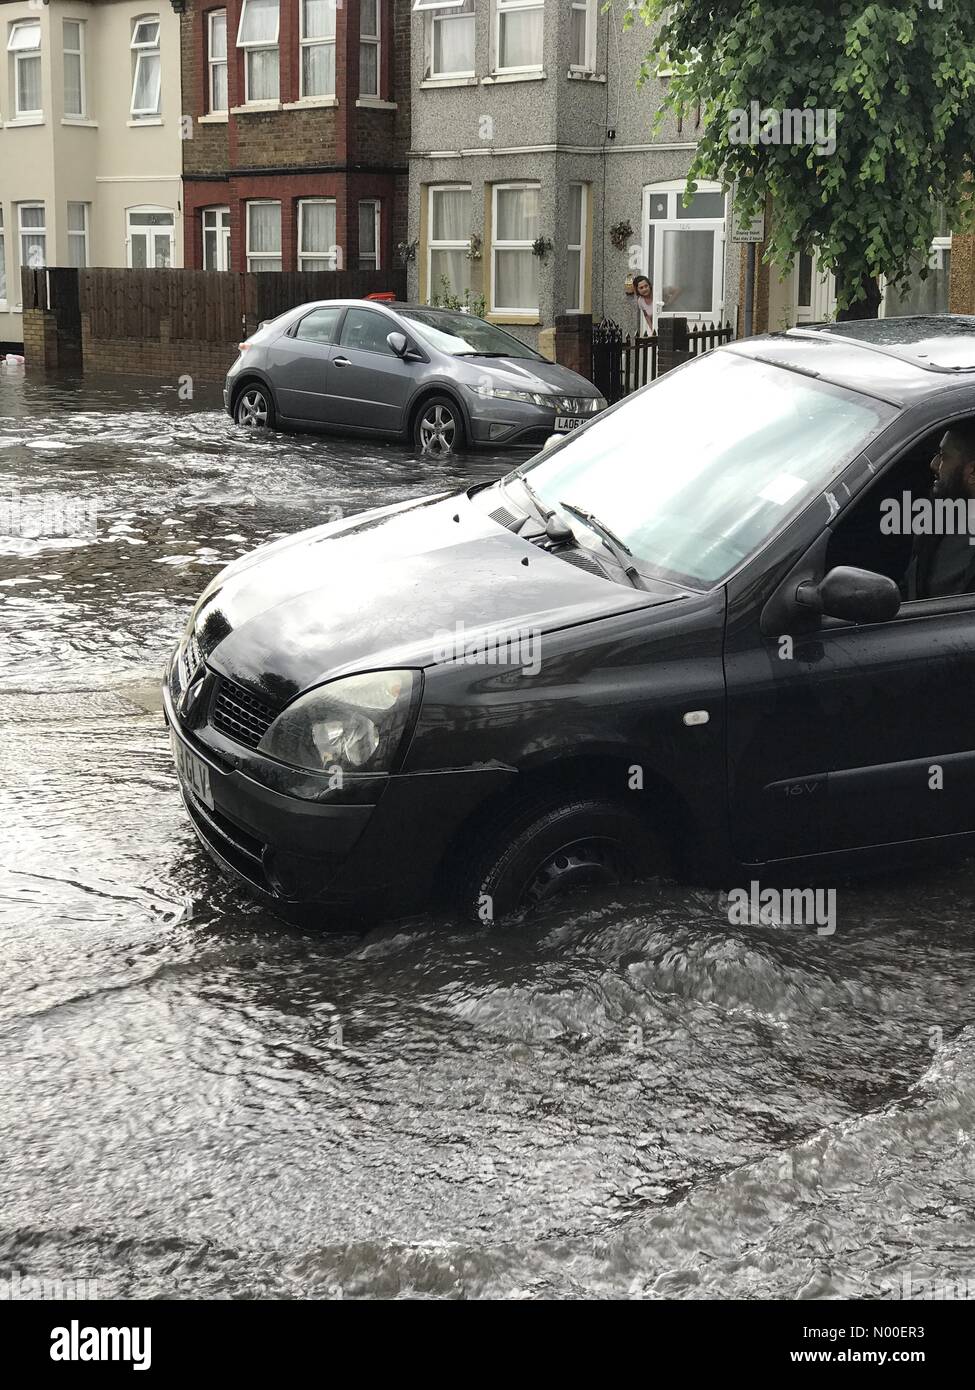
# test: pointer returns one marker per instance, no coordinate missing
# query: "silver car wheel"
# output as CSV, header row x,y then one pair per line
x,y
438,429
252,409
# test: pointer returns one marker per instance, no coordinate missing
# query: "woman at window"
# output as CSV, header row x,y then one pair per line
x,y
643,290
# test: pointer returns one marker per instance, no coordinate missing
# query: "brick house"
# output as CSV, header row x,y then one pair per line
x,y
300,118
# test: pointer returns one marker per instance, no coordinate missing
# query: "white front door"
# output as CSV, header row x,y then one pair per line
x,y
216,238
815,290
684,251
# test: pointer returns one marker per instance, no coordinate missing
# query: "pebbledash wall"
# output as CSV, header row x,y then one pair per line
x,y
345,146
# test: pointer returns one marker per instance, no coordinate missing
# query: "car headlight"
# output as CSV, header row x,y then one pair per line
x,y
356,723
504,393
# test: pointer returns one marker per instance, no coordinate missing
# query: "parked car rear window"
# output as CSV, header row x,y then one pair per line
x,y
699,470
319,326
463,335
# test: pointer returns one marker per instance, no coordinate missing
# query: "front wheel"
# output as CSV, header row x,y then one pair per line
x,y
438,429
255,407
548,849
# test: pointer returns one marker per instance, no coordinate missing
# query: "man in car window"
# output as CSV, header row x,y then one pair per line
x,y
945,563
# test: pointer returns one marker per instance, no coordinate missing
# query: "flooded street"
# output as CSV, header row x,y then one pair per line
x,y
626,1097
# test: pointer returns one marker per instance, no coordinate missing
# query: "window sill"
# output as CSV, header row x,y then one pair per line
x,y
309,103
213,118
83,121
505,316
377,104
251,107
581,75
19,121
143,120
497,77
430,82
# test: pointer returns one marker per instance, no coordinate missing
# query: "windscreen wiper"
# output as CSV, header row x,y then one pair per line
x,y
620,552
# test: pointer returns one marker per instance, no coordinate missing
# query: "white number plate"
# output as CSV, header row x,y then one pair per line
x,y
193,771
568,422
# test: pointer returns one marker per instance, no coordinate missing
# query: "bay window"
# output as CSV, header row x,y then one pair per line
x,y
217,60
576,257
316,234
147,71
518,35
257,34
317,48
449,38
582,35
33,235
263,235
72,45
369,46
25,45
449,240
78,235
369,234
514,279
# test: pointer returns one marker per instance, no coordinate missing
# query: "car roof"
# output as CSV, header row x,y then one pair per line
x,y
394,304
900,360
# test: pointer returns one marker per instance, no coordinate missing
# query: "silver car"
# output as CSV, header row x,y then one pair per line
x,y
442,379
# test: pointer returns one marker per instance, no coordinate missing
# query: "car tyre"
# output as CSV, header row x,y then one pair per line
x,y
254,406
547,848
438,427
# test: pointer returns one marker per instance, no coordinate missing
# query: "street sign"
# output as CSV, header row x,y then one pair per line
x,y
749,231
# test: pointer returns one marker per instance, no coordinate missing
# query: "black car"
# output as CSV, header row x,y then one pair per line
x,y
683,637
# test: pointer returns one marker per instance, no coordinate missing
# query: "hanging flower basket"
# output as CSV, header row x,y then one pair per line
x,y
541,246
620,234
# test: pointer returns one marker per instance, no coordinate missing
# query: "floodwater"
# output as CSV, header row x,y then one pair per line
x,y
623,1097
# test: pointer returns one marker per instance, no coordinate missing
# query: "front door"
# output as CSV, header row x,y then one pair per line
x,y
368,385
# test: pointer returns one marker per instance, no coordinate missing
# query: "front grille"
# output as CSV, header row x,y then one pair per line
x,y
239,714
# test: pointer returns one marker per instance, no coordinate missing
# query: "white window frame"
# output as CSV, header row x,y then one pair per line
x,y
582,245
222,237
373,40
452,10
138,231
214,63
254,46
674,222
314,43
82,235
22,55
332,253
78,52
460,245
144,49
377,223
23,232
503,7
3,263
529,311
262,255
589,57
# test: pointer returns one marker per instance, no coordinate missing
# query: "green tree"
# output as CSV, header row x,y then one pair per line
x,y
897,82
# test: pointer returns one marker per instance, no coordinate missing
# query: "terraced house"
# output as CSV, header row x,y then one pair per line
x,y
537,184
90,150
300,124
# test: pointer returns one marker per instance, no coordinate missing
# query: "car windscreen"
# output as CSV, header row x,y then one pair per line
x,y
695,473
464,335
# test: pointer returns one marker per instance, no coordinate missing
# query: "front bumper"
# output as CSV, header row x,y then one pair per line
x,y
515,424
379,855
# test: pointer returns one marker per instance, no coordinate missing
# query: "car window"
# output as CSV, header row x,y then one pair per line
x,y
319,326
367,330
464,335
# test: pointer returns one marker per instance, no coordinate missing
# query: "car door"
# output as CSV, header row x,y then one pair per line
x,y
297,364
368,384
847,736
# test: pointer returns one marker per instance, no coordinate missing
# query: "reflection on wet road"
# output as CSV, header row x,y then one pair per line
x,y
627,1097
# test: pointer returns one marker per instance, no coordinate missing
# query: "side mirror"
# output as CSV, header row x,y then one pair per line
x,y
857,596
398,343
